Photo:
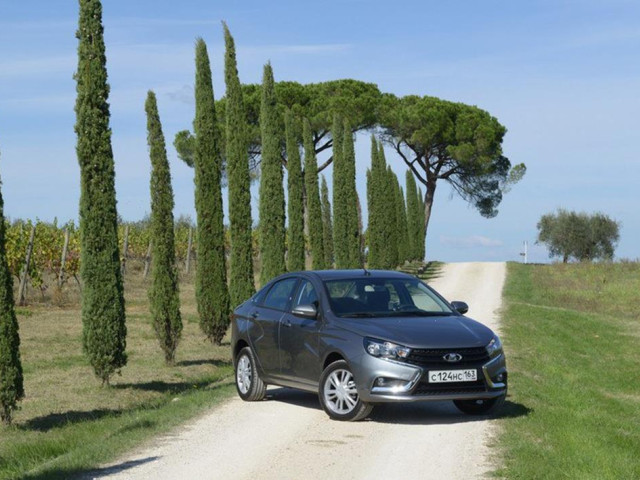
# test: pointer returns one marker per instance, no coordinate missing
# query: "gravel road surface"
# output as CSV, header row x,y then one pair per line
x,y
288,436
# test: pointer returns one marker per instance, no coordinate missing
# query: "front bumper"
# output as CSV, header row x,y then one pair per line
x,y
408,383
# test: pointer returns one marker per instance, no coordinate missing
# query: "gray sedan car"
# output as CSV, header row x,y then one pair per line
x,y
360,338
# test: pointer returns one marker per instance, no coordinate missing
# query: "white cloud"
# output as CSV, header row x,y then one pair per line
x,y
184,94
470,242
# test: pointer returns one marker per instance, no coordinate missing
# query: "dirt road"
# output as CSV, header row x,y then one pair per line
x,y
290,437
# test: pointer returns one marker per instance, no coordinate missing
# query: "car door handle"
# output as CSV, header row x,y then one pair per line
x,y
286,323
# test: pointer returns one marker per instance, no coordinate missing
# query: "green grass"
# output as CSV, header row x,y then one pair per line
x,y
69,424
571,334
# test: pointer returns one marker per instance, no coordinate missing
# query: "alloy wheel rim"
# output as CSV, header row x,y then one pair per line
x,y
340,393
243,374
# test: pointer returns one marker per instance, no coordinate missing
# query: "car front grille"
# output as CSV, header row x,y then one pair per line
x,y
434,358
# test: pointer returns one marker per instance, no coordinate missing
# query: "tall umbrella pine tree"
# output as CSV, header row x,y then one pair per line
x,y
241,272
163,293
295,207
11,382
351,198
313,199
212,295
103,315
327,224
271,190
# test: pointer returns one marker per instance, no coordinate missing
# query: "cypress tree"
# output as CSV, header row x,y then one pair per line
x,y
422,223
351,197
11,385
295,254
163,293
403,231
360,234
340,197
240,224
327,225
271,189
391,229
313,199
413,217
103,315
382,223
212,295
375,228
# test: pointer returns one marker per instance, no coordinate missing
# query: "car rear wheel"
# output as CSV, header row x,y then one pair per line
x,y
248,383
480,406
339,395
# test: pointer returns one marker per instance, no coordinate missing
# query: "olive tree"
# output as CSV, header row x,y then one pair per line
x,y
581,236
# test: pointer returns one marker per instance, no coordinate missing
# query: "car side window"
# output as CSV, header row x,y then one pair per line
x,y
306,294
280,294
259,295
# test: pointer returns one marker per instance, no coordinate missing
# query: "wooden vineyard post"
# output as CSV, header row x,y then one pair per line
x,y
125,249
63,259
25,269
189,243
147,261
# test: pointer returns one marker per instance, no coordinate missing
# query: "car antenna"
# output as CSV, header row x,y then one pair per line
x,y
366,272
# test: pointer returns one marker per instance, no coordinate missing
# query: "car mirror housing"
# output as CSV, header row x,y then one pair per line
x,y
305,311
460,307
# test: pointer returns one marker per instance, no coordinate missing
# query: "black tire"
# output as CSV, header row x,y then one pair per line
x,y
481,406
249,385
332,396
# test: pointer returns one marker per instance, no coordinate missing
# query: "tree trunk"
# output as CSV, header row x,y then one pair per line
x,y
147,261
63,258
25,270
189,245
125,251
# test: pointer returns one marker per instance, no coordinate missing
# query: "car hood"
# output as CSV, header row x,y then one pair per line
x,y
446,331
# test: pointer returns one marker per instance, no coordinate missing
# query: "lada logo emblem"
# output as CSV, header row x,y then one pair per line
x,y
452,357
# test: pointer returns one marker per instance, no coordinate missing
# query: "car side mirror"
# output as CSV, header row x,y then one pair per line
x,y
306,311
460,307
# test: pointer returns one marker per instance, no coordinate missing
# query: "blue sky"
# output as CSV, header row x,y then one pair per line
x,y
562,76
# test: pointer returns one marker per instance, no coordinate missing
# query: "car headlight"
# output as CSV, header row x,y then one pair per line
x,y
381,349
495,347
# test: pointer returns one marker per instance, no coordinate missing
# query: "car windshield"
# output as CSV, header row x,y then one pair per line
x,y
383,297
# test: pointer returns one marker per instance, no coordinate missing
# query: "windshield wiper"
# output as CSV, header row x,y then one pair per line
x,y
419,313
360,315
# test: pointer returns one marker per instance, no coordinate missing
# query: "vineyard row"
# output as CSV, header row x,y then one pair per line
x,y
54,254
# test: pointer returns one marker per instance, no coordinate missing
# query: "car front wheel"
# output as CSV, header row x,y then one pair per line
x,y
339,395
249,385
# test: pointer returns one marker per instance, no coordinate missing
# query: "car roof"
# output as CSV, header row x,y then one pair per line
x,y
355,273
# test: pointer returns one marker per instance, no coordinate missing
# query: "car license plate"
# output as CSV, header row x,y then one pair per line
x,y
446,376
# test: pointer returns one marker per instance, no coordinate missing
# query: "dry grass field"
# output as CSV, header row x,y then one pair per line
x,y
67,421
